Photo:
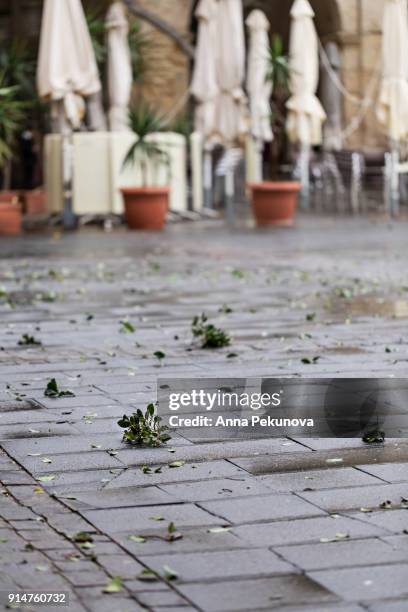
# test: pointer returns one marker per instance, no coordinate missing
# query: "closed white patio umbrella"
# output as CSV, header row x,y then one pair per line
x,y
66,73
204,87
392,108
120,75
259,87
231,107
67,70
305,112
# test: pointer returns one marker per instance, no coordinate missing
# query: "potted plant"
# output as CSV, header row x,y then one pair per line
x,y
146,206
11,119
34,202
274,202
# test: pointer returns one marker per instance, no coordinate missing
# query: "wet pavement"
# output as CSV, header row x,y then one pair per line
x,y
285,524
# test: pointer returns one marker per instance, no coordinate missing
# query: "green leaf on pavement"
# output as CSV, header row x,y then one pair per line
x,y
114,585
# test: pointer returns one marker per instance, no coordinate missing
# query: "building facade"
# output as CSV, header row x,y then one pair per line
x,y
355,25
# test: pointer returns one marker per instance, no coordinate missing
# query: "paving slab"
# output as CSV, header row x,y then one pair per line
x,y
127,519
349,499
187,472
269,594
353,553
197,539
210,566
393,520
379,582
115,498
305,530
262,508
317,479
395,472
71,462
232,487
389,606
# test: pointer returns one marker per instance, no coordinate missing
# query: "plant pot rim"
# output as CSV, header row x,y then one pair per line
x,y
146,190
9,204
276,186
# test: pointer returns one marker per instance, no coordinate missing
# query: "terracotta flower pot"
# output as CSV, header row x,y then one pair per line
x,y
10,218
146,207
35,202
274,203
10,196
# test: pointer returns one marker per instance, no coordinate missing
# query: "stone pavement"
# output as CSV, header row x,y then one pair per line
x,y
282,524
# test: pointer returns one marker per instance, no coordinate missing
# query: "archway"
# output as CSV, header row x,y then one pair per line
x,y
327,17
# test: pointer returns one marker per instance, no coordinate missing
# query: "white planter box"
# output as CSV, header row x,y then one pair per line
x,y
98,172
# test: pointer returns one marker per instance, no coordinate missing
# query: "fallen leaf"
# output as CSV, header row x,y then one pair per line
x,y
82,536
46,478
113,586
176,464
147,575
137,539
219,529
338,537
169,573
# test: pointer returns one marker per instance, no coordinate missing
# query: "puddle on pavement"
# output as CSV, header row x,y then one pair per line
x,y
372,306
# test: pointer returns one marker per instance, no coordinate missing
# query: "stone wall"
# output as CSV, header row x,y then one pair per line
x,y
359,37
166,78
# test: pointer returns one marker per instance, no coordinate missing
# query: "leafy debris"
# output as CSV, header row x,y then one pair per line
x,y
374,436
27,340
127,327
52,390
114,585
144,428
211,336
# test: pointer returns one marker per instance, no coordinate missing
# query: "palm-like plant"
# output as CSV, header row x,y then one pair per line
x,y
17,67
144,121
279,72
12,116
182,124
96,27
279,75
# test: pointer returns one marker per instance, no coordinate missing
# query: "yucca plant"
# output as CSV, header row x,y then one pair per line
x,y
96,26
279,72
12,116
144,121
17,66
183,124
279,75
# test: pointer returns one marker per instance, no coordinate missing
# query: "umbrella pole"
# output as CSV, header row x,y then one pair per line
x,y
208,179
259,160
229,192
304,162
68,218
394,180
